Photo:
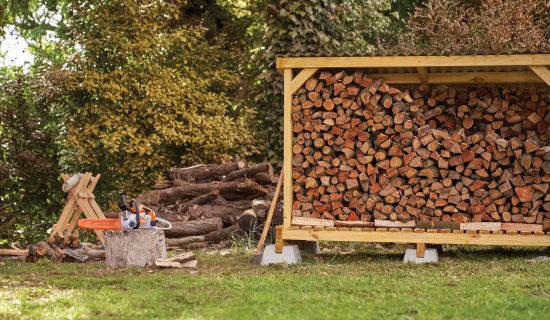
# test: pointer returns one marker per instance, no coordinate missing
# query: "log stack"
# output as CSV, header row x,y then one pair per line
x,y
57,248
207,204
365,151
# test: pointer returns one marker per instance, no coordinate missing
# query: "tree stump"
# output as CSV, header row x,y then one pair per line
x,y
140,247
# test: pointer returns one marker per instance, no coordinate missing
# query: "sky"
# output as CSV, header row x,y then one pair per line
x,y
15,49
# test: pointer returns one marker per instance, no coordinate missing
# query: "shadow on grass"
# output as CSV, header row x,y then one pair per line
x,y
394,252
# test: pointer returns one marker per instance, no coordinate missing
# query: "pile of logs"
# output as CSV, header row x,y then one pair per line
x,y
207,204
364,150
68,248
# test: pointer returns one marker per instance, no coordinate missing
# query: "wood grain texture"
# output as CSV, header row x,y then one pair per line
x,y
140,247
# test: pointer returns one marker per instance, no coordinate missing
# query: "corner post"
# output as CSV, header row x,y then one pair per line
x,y
287,167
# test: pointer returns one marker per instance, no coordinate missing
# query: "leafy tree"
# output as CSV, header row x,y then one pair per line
x,y
38,22
141,95
448,27
29,173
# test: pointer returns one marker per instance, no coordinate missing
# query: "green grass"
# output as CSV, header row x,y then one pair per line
x,y
358,282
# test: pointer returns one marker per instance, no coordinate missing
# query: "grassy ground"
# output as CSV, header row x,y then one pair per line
x,y
358,283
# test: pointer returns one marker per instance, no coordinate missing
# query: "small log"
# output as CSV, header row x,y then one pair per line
x,y
14,252
94,254
193,228
248,220
202,199
264,167
205,171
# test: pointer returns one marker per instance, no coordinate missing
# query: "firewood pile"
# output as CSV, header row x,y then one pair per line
x,y
207,204
365,151
65,249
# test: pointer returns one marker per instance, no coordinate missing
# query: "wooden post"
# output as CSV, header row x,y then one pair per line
x,y
287,167
420,250
141,247
279,243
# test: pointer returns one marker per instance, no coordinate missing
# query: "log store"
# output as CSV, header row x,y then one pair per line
x,y
417,149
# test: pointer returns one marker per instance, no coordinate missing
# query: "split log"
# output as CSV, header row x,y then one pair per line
x,y
14,252
182,260
437,155
93,254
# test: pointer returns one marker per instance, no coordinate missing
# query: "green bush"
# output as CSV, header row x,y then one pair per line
x,y
30,192
145,92
447,27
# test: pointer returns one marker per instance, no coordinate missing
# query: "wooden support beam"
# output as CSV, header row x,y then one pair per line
x,y
288,140
489,239
302,77
279,242
483,77
420,250
414,61
461,77
542,72
423,73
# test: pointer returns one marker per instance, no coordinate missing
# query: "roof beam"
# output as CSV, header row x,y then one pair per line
x,y
413,61
302,77
461,77
423,72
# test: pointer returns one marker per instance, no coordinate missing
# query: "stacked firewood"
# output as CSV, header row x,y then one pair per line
x,y
209,203
68,248
364,150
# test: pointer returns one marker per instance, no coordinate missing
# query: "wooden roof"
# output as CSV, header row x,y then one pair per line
x,y
519,68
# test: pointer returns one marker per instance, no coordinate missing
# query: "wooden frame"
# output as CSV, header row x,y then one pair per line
x,y
80,200
523,68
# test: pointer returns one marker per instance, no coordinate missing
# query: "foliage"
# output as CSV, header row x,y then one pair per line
x,y
142,95
38,22
29,186
311,27
352,283
479,27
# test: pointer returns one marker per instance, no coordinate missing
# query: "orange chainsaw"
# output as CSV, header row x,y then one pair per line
x,y
134,216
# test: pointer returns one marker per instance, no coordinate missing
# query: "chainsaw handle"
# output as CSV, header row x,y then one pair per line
x,y
136,206
165,222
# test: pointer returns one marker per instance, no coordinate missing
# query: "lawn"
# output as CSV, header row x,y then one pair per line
x,y
346,282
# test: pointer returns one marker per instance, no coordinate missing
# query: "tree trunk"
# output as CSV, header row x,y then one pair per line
x,y
141,247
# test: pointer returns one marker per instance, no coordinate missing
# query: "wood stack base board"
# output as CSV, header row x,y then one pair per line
x,y
404,235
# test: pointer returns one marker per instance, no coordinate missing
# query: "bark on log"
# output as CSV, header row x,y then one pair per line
x,y
205,172
202,199
228,215
230,190
248,220
193,228
140,247
264,167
